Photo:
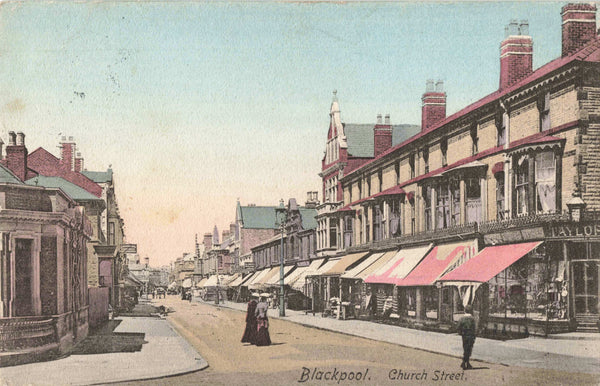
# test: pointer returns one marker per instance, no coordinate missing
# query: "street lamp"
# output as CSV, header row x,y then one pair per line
x,y
281,217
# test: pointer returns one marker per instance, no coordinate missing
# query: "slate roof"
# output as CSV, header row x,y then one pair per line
x,y
309,220
257,217
72,190
361,140
99,177
7,177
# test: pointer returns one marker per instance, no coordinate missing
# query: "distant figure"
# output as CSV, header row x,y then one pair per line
x,y
251,329
466,328
262,336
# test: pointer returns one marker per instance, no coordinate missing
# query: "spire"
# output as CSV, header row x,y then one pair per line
x,y
215,238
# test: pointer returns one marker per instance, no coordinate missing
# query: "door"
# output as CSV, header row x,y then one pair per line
x,y
585,286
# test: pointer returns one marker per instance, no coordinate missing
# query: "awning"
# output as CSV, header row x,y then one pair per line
x,y
230,279
257,276
403,262
436,262
376,266
238,280
340,266
187,283
490,262
201,283
248,279
325,267
260,279
212,281
297,283
274,280
355,272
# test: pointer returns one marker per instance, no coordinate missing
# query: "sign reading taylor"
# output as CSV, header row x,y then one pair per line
x,y
569,231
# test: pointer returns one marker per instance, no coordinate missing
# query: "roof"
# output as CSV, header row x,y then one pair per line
x,y
7,177
257,217
589,53
309,218
72,190
99,177
361,140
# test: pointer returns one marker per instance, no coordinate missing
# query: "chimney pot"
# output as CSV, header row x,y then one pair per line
x,y
429,86
12,138
379,119
439,86
387,119
524,28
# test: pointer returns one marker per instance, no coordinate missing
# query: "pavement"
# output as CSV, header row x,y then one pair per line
x,y
139,348
574,352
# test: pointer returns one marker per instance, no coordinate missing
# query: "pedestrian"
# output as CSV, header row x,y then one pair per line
x,y
262,322
466,328
251,330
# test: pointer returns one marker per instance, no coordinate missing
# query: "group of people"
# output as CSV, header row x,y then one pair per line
x,y
257,323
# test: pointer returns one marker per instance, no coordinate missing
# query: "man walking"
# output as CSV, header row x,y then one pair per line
x,y
466,328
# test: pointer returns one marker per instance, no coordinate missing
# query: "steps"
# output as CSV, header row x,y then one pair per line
x,y
587,323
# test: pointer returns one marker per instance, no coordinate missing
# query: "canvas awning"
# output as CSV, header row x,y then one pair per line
x,y
248,279
436,262
238,280
340,266
259,275
403,262
354,272
274,280
260,279
490,262
297,282
187,283
212,281
230,279
325,267
201,283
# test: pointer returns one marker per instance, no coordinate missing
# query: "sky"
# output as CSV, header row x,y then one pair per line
x,y
195,105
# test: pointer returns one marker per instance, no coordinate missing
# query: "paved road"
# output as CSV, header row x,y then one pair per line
x,y
215,332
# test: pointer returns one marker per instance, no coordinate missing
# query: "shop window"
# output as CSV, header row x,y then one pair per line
x,y
522,184
500,215
395,219
545,182
427,204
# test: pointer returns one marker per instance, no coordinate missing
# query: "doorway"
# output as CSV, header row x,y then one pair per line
x,y
22,303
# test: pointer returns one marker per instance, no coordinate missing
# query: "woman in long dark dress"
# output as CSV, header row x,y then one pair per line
x,y
262,336
251,329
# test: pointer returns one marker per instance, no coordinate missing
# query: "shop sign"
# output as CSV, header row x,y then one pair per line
x,y
574,231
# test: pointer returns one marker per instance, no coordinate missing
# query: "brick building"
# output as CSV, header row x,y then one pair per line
x,y
495,205
44,306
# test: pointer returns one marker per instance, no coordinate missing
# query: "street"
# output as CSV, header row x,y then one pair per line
x,y
309,355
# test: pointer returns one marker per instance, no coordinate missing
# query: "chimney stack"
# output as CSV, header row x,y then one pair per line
x,y
1,154
16,155
578,26
312,200
516,54
207,241
78,163
67,154
433,108
382,135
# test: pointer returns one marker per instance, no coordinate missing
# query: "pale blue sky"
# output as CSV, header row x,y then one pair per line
x,y
195,104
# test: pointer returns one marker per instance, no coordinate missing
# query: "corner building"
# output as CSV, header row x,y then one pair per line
x,y
495,205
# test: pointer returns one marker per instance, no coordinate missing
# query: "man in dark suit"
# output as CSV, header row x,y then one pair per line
x,y
466,328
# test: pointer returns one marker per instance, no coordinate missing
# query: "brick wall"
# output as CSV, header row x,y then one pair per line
x,y
253,237
389,176
22,199
524,121
487,134
564,107
459,147
590,166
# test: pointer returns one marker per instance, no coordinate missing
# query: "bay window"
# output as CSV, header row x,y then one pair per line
x,y
427,204
395,226
442,206
473,199
545,182
522,184
500,196
377,222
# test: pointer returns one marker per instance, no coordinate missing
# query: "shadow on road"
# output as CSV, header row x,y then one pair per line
x,y
104,340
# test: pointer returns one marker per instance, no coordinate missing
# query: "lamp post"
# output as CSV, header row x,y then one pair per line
x,y
281,216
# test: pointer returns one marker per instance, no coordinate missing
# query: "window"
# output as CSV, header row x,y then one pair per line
x,y
411,164
380,180
359,191
500,196
474,140
544,108
413,220
332,234
545,182
473,199
426,159
454,186
111,233
369,186
442,206
395,219
377,220
501,121
397,169
427,204
348,231
522,184
444,149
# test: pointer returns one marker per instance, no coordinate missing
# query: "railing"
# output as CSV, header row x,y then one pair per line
x,y
521,221
26,332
